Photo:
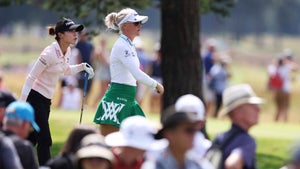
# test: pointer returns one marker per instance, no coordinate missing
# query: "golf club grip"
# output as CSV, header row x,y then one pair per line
x,y
86,77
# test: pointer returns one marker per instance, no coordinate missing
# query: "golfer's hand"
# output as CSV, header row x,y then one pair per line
x,y
159,88
88,69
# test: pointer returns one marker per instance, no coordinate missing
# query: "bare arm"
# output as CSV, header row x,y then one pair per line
x,y
234,161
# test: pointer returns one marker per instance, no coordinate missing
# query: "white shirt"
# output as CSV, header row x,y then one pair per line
x,y
46,71
125,65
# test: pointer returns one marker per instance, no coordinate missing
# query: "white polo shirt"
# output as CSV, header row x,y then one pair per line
x,y
125,65
46,71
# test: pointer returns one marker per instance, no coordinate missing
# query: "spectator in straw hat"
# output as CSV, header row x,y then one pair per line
x,y
136,136
241,105
94,154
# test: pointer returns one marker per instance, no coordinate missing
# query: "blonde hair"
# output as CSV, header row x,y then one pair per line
x,y
113,18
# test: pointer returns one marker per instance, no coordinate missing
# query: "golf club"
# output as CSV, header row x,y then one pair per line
x,y
86,77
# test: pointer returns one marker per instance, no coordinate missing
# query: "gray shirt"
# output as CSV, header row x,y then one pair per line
x,y
9,158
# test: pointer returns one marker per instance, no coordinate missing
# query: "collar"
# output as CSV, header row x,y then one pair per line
x,y
126,39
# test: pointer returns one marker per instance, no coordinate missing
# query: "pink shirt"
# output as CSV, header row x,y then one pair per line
x,y
45,73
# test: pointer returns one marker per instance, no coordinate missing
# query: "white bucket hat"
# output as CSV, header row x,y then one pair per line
x,y
133,17
238,95
136,132
93,146
191,103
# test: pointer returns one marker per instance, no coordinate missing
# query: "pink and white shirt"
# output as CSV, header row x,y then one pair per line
x,y
46,71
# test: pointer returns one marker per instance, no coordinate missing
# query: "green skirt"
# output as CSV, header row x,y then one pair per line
x,y
117,104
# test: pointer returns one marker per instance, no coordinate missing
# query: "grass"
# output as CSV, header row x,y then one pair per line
x,y
249,66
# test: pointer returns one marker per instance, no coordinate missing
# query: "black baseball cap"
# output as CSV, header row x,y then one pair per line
x,y
67,25
6,98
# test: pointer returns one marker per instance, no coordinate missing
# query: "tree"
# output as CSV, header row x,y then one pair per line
x,y
180,49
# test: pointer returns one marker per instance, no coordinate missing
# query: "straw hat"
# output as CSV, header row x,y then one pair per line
x,y
238,95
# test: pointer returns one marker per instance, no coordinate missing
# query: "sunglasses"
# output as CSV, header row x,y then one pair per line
x,y
137,23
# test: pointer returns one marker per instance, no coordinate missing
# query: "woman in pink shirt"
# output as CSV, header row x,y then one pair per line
x,y
41,81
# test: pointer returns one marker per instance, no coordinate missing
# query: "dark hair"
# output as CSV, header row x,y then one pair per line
x,y
73,142
53,29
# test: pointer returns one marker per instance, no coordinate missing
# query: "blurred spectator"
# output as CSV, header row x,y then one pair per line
x,y
179,128
242,107
208,59
66,158
280,83
155,73
218,79
102,72
5,99
86,52
294,161
71,95
2,86
9,158
145,64
191,103
17,123
94,154
136,136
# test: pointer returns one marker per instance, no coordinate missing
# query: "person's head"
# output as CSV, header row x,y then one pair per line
x,y
211,45
192,103
65,31
94,153
294,161
73,142
19,118
179,128
128,21
137,135
5,99
241,105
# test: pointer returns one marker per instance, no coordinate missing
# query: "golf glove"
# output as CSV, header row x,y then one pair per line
x,y
88,68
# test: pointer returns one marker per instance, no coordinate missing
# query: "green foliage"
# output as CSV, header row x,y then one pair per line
x,y
221,7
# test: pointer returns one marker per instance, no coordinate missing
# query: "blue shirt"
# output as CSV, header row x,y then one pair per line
x,y
242,143
208,62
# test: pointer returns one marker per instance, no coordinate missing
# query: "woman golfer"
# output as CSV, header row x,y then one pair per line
x,y
41,81
119,101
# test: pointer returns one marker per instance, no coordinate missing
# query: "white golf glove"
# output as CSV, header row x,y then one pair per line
x,y
88,68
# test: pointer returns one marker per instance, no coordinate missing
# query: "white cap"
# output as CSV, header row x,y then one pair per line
x,y
133,17
191,103
136,132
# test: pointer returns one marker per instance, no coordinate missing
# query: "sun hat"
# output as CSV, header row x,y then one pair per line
x,y
68,25
92,145
136,132
191,103
6,98
237,95
23,111
133,16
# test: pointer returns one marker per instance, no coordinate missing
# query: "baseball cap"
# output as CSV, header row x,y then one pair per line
x,y
6,98
191,103
133,16
67,25
23,111
93,145
237,95
136,132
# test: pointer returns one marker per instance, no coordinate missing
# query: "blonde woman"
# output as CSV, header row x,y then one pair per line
x,y
119,101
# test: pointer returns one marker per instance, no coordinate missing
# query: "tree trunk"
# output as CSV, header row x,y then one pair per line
x,y
181,64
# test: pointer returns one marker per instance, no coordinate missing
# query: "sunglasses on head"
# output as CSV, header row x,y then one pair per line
x,y
137,23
